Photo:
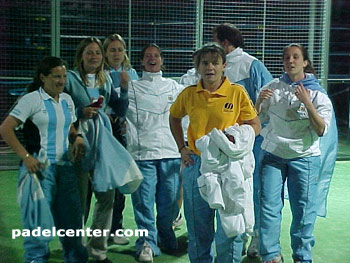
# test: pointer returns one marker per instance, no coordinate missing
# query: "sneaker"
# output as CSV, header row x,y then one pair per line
x,y
146,254
178,221
252,251
120,240
277,259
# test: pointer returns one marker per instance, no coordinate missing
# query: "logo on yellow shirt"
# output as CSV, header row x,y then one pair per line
x,y
228,107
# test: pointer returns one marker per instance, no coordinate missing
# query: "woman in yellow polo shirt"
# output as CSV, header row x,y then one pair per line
x,y
213,102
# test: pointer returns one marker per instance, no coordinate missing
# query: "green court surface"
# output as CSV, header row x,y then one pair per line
x,y
332,233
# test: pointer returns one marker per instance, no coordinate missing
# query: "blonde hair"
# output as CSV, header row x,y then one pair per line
x,y
78,62
116,37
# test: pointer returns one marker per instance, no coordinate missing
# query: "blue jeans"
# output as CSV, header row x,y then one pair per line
x,y
61,191
200,224
160,185
302,176
256,179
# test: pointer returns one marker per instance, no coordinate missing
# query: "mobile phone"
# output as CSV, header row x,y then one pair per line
x,y
97,103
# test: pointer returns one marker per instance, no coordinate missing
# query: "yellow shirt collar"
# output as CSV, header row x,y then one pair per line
x,y
220,91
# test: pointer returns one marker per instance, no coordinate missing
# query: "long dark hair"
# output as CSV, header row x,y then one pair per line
x,y
45,67
309,68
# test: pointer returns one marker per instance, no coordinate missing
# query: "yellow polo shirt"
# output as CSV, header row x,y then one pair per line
x,y
220,109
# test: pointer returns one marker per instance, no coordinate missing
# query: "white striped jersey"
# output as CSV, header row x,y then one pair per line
x,y
53,120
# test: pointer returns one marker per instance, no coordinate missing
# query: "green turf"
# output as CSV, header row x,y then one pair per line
x,y
332,233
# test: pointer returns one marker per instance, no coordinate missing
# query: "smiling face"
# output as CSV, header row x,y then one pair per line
x,y
294,63
115,54
152,60
92,58
54,83
211,68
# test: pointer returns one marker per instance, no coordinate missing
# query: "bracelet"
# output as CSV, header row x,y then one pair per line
x,y
26,156
183,146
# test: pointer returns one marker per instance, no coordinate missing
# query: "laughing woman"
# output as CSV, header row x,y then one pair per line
x,y
150,143
48,114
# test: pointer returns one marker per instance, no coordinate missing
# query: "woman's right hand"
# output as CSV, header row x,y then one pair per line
x,y
124,80
265,94
89,112
32,164
186,156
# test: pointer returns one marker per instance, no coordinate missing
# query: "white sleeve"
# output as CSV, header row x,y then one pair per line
x,y
25,107
178,88
323,107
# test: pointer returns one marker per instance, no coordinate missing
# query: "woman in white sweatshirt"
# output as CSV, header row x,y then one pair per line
x,y
299,113
151,144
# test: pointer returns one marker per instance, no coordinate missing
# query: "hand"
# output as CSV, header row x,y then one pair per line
x,y
303,94
124,80
186,156
89,112
78,149
123,127
32,164
230,137
265,94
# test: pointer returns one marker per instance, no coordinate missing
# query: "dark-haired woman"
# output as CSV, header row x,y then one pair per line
x,y
150,142
205,104
51,113
299,113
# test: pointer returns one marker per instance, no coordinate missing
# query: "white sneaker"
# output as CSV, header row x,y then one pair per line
x,y
120,240
253,251
146,254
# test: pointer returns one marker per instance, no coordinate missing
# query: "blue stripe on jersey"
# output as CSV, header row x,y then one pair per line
x,y
51,131
67,123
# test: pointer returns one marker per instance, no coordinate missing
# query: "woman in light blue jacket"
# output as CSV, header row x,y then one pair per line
x,y
86,83
117,61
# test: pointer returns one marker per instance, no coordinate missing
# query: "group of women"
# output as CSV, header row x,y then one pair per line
x,y
298,112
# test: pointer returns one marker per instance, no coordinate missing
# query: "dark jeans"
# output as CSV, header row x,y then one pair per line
x,y
118,128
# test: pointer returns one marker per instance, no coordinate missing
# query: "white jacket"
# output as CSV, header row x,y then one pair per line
x,y
226,181
148,132
238,65
289,133
190,78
